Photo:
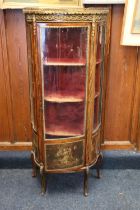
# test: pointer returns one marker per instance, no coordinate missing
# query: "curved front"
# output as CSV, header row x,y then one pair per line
x,y
68,68
64,156
67,51
95,146
64,64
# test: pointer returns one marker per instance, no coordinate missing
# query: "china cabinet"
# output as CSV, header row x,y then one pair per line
x,y
66,65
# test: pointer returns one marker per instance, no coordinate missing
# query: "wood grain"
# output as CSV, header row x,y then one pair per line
x,y
136,103
117,145
6,126
18,71
120,85
17,146
136,113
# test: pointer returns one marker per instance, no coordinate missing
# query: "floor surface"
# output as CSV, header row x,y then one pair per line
x,y
118,188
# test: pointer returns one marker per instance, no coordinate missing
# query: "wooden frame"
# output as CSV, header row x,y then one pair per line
x,y
1,2
136,18
127,37
14,4
103,1
76,3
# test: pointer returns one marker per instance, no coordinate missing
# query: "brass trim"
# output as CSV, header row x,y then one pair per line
x,y
63,26
75,169
66,139
67,15
75,11
40,165
96,129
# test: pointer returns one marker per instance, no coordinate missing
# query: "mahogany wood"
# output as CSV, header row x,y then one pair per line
x,y
117,145
17,146
120,86
18,73
6,125
106,72
15,129
137,101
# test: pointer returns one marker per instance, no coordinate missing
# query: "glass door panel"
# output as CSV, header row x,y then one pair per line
x,y
65,46
96,112
63,50
97,96
99,43
99,76
97,80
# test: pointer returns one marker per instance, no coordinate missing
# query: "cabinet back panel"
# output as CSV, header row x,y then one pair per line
x,y
6,129
14,88
120,83
18,72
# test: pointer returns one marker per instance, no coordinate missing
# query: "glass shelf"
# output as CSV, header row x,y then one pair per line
x,y
64,62
61,131
61,98
64,120
64,84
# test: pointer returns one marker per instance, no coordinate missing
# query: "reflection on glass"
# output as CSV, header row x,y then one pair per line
x,y
64,119
64,83
99,76
65,45
64,72
99,44
97,80
96,112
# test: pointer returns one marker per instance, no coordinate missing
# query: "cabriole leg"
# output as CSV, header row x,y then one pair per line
x,y
98,165
43,182
86,174
34,167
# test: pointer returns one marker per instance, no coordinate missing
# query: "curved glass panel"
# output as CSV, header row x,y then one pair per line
x,y
99,71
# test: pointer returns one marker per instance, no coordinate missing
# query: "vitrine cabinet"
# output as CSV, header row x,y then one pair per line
x,y
66,65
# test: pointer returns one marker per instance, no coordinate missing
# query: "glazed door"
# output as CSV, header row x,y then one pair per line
x,y
99,72
64,63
